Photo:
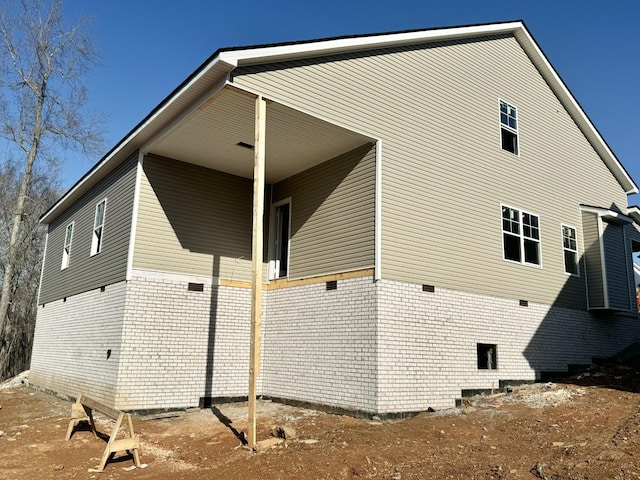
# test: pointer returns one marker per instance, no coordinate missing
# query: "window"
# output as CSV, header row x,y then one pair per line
x,y
509,127
570,249
66,252
98,227
487,356
520,236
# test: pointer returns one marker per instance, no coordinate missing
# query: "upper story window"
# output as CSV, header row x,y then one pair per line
x,y
520,236
570,249
98,227
66,252
509,127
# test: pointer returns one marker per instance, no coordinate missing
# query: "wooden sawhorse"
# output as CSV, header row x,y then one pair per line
x,y
83,410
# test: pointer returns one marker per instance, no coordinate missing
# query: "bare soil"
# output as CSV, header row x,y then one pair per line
x,y
586,427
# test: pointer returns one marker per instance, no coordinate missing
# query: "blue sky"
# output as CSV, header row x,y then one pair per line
x,y
147,47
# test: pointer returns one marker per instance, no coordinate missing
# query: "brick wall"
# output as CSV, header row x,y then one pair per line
x,y
169,336
382,347
427,342
72,342
320,345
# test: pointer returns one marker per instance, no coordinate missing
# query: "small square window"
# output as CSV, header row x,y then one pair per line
x,y
487,356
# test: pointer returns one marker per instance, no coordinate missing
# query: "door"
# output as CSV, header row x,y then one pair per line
x,y
282,225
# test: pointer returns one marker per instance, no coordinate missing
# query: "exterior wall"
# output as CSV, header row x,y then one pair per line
x,y
320,346
593,260
193,220
332,214
72,341
180,346
427,342
618,266
444,175
86,272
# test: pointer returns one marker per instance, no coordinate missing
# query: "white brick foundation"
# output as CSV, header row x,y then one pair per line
x,y
383,347
427,343
182,345
71,343
320,346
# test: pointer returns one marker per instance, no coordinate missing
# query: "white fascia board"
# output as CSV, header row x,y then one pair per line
x,y
327,47
99,167
575,110
608,215
634,212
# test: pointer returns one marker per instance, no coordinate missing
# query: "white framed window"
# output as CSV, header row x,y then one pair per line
x,y
280,236
509,127
570,250
66,252
520,236
98,227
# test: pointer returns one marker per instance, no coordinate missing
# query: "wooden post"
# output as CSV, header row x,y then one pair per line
x,y
256,260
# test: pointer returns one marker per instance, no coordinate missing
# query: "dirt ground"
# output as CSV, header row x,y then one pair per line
x,y
584,427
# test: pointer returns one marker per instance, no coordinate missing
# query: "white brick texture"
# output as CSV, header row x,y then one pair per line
x,y
72,340
427,343
383,347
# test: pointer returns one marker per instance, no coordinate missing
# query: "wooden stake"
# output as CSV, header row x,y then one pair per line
x,y
256,260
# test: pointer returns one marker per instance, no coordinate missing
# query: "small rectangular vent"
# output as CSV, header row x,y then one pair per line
x,y
102,289
524,303
428,288
245,145
195,287
332,285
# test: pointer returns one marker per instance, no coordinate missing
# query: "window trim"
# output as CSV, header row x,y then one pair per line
x,y
96,242
521,237
508,128
564,266
66,249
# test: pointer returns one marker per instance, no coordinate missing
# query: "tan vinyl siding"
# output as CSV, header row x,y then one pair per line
x,y
332,214
593,260
87,272
444,175
616,264
193,220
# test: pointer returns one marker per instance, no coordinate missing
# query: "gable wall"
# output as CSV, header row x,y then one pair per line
x,y
87,272
444,175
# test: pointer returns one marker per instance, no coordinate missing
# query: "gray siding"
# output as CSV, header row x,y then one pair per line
x,y
616,264
593,260
87,272
193,220
332,214
444,174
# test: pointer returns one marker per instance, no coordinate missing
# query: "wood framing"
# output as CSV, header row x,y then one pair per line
x,y
256,256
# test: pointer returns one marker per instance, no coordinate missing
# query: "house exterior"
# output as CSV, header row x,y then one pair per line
x,y
440,215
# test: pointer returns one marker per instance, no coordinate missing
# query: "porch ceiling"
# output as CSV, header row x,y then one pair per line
x,y
295,141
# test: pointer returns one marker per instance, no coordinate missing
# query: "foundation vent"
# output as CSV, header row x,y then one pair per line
x,y
428,288
524,303
195,287
332,285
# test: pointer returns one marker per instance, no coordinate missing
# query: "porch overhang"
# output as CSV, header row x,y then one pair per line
x,y
219,135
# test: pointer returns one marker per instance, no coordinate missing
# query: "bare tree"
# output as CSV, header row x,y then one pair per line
x,y
43,62
21,313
